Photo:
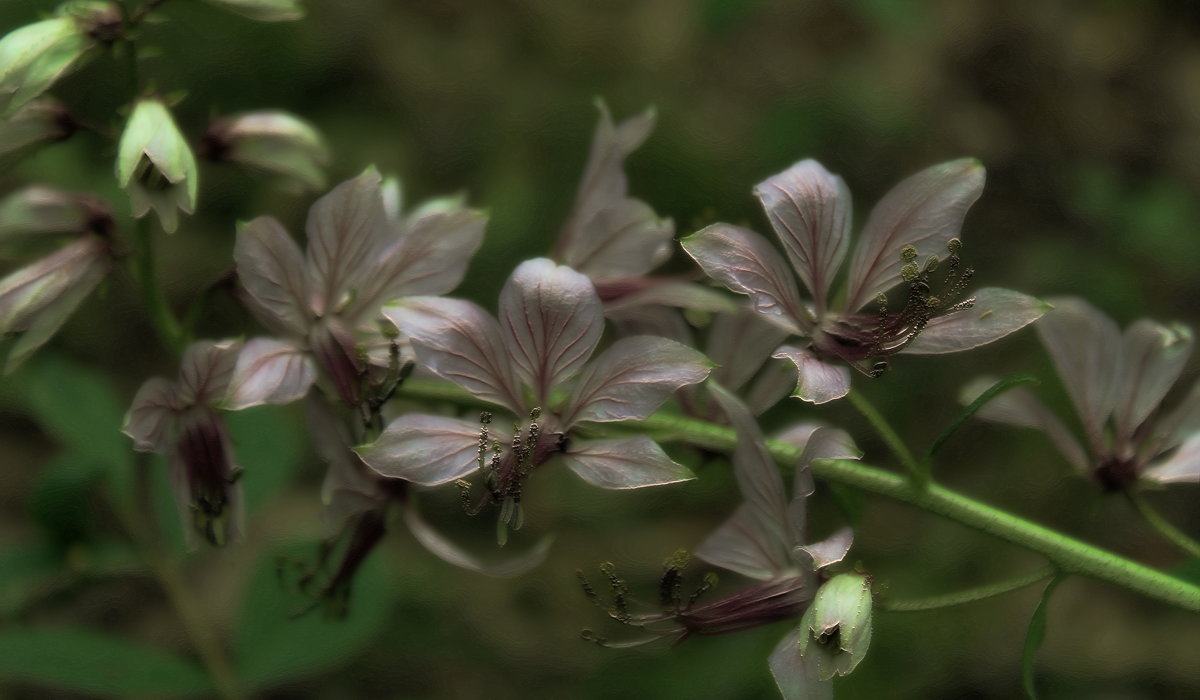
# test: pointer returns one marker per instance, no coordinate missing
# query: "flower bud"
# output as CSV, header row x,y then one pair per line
x,y
276,142
156,165
42,121
33,57
38,210
836,628
264,10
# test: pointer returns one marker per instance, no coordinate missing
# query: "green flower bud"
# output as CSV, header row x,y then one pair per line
x,y
156,166
276,142
836,628
33,57
40,122
264,10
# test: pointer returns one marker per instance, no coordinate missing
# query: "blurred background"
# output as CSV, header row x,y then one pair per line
x,y
1086,115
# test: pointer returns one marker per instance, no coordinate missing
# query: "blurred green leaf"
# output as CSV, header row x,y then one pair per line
x,y
97,664
24,567
272,645
59,502
1034,638
269,445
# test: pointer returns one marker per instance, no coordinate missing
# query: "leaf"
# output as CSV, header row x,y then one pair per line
x,y
1010,382
271,269
816,381
269,371
426,450
1034,638
270,445
97,664
551,320
746,263
273,646
625,463
810,210
346,230
33,57
632,378
995,314
60,501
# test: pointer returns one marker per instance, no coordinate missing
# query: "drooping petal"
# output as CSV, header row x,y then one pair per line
x,y
995,313
460,342
150,416
816,381
810,210
746,263
426,450
632,378
447,551
739,343
205,371
623,463
269,371
925,210
795,673
270,267
1022,408
1182,467
552,320
346,230
830,550
1154,356
1086,348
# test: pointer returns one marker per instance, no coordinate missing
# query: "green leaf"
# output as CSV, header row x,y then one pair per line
x,y
24,567
36,55
96,664
59,501
272,646
269,445
1009,382
1034,638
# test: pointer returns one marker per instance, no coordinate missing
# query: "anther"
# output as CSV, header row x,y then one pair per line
x,y
931,264
908,253
954,245
910,272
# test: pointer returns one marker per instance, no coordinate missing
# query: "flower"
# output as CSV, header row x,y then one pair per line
x,y
534,363
1117,383
40,122
321,301
272,141
809,208
180,419
156,165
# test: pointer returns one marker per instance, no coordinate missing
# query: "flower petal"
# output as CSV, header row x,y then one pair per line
x,y
270,267
625,463
1180,468
346,229
460,342
925,210
149,418
657,291
739,343
552,320
745,544
995,314
795,673
626,238
205,371
447,551
830,550
269,371
1086,348
1022,408
632,378
426,450
746,263
1154,356
816,381
809,208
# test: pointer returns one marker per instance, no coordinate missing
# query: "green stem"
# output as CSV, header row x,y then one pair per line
x,y
918,473
980,401
1169,532
970,595
164,321
1067,554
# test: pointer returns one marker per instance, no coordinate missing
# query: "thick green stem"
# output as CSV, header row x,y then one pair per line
x,y
970,595
1169,532
915,469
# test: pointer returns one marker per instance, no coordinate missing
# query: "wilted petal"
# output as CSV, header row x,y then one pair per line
x,y
1154,356
269,371
1020,407
746,263
552,320
150,416
632,378
447,551
426,450
995,313
626,463
816,381
796,674
830,550
739,343
809,208
925,211
460,342
346,230
271,268
1182,467
1086,348
205,371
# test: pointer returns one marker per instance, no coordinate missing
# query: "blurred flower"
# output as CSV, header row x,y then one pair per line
x,y
37,299
33,57
274,141
264,10
535,364
809,209
37,210
324,300
156,165
1117,384
36,124
764,540
181,420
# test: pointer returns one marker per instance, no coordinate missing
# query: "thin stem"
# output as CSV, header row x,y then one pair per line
x,y
918,473
980,401
1067,554
164,321
1169,532
970,595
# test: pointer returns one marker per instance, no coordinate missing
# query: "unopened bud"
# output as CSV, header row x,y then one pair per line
x,y
272,141
33,57
38,210
155,164
39,123
836,628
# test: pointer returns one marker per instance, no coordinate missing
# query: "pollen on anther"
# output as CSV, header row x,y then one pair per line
x,y
908,253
